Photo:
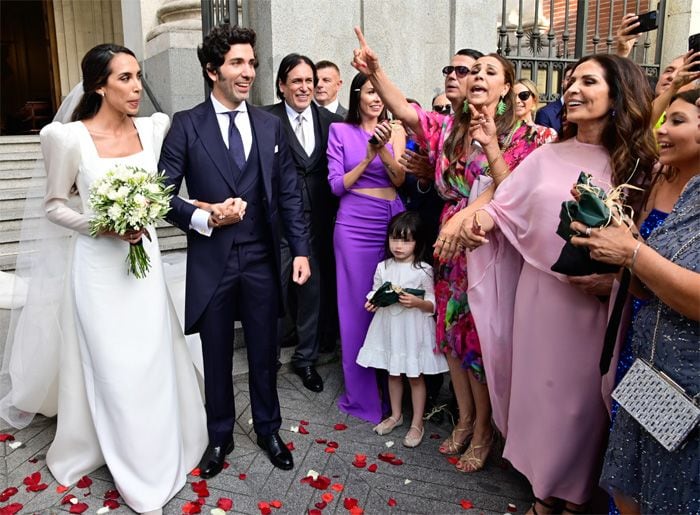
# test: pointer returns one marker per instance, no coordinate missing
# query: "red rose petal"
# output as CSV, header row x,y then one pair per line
x,y
372,467
7,493
356,510
435,436
361,457
200,488
195,472
320,483
396,462
340,427
327,497
263,504
330,450
453,460
303,431
334,445
359,464
337,487
304,422
391,502
386,456
33,459
512,508
111,504
315,512
79,507
201,500
11,509
67,499
321,440
349,503
224,503
37,488
265,511
226,465
321,504
61,489
32,479
466,504
84,482
290,446
6,437
111,494
242,477
276,504
191,507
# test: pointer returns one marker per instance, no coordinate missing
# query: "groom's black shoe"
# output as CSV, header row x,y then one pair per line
x,y
310,378
213,459
277,451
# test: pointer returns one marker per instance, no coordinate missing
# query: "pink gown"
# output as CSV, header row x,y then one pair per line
x,y
541,337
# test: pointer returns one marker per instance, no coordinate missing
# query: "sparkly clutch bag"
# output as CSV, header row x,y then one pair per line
x,y
655,400
659,405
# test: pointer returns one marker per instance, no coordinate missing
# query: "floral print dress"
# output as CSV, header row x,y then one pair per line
x,y
455,331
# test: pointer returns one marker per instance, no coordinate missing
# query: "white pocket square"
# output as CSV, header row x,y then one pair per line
x,y
276,149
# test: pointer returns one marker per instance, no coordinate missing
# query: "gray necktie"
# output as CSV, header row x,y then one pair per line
x,y
299,131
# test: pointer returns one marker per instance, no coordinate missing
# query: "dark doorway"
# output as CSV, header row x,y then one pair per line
x,y
26,79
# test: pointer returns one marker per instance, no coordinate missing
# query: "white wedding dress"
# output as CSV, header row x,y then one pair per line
x,y
128,395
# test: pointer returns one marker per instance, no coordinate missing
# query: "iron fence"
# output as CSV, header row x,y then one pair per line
x,y
215,12
541,36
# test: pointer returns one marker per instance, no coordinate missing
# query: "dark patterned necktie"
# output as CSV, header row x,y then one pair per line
x,y
235,142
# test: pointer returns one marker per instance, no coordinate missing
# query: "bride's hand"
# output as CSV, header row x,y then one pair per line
x,y
131,236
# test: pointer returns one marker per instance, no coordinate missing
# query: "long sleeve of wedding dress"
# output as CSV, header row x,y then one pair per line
x,y
61,150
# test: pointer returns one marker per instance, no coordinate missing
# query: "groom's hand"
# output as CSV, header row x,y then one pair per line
x,y
301,271
228,212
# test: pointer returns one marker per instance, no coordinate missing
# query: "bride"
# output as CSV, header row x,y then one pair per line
x,y
119,375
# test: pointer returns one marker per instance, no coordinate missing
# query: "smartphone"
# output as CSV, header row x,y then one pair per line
x,y
412,145
647,22
373,140
694,46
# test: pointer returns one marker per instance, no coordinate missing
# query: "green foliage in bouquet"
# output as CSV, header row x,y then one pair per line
x,y
129,198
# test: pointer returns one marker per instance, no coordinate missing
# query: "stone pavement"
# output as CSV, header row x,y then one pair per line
x,y
424,483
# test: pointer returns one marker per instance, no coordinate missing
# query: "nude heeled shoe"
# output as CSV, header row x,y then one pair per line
x,y
387,425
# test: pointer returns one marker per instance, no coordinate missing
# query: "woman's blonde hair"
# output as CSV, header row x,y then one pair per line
x,y
532,88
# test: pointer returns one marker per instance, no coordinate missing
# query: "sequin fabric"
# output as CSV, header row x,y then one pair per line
x,y
635,463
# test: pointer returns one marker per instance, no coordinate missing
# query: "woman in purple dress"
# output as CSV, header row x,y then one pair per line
x,y
365,176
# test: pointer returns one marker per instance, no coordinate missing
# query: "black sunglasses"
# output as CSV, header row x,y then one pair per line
x,y
442,109
524,95
460,71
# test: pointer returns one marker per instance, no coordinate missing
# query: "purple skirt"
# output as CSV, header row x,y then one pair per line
x,y
359,239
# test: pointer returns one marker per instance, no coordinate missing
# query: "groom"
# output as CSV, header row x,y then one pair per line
x,y
235,161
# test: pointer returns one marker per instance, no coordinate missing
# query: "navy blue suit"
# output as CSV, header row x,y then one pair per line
x,y
234,274
550,115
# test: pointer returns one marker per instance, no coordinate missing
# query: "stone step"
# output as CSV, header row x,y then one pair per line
x,y
21,180
164,232
15,161
20,144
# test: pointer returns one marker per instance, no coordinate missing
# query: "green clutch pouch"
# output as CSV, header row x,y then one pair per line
x,y
388,294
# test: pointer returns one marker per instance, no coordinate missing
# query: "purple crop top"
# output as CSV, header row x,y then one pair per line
x,y
347,146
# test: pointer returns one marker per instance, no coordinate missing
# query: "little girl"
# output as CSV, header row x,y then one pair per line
x,y
401,337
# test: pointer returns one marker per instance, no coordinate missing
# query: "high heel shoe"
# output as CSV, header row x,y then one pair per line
x,y
470,462
387,425
451,446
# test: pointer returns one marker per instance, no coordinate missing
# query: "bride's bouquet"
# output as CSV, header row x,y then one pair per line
x,y
128,198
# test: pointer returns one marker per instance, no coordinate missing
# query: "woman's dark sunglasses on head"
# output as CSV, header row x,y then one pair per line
x,y
460,71
442,109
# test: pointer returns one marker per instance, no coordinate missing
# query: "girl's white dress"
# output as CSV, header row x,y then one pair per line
x,y
128,395
401,340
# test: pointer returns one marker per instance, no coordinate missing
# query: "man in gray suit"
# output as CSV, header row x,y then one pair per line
x,y
326,91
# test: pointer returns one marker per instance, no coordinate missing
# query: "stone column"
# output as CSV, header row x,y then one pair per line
x,y
171,67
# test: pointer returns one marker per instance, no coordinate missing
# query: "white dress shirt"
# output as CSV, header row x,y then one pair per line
x,y
200,218
308,124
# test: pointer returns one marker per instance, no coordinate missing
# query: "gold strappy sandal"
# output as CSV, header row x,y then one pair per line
x,y
451,446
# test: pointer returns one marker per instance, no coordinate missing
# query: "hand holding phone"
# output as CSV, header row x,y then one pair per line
x,y
694,46
647,21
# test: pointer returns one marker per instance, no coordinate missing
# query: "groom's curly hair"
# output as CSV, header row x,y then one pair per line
x,y
217,44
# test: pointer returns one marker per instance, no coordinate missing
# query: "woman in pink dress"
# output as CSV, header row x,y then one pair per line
x,y
542,336
482,138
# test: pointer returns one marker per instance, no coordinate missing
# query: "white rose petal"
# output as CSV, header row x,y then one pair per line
x,y
406,481
294,429
250,421
390,443
102,510
15,444
313,474
74,500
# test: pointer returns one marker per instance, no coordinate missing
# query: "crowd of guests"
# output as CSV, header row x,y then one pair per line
x,y
423,239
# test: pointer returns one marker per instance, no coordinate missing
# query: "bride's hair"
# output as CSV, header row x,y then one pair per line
x,y
96,69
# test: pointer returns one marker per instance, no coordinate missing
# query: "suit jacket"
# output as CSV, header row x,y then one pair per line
x,y
550,115
313,170
195,151
341,111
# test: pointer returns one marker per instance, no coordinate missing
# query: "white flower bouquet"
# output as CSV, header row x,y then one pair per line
x,y
128,198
